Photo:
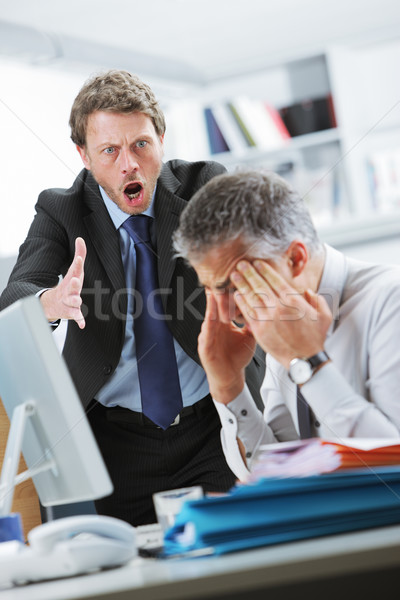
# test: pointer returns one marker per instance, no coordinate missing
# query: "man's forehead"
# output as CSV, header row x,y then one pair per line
x,y
215,267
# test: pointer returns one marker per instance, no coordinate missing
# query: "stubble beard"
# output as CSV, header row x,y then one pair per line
x,y
117,196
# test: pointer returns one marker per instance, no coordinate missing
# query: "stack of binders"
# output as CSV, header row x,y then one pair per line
x,y
274,510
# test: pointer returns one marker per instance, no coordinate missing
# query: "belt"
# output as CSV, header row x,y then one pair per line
x,y
119,414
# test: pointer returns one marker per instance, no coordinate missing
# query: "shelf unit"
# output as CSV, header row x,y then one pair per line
x,y
332,169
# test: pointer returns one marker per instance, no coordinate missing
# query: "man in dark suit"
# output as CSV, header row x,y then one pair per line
x,y
81,234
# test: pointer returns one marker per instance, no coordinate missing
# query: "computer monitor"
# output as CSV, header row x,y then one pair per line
x,y
47,419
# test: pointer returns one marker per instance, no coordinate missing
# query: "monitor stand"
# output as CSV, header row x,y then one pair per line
x,y
9,478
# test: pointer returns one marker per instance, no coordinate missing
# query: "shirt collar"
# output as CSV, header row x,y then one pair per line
x,y
333,279
117,215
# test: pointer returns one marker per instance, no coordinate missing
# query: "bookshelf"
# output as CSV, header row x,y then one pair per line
x,y
347,172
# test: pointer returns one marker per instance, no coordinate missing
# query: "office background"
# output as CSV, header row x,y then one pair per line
x,y
328,67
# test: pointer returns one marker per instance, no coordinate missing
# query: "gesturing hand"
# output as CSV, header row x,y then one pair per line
x,y
64,301
224,350
286,323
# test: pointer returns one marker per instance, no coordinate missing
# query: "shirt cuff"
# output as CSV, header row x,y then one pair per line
x,y
240,419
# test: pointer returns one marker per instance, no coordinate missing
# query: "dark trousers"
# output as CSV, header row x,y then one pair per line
x,y
143,459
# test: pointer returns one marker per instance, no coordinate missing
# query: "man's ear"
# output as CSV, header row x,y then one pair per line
x,y
84,156
297,256
162,143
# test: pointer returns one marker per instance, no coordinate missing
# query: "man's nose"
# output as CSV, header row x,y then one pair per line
x,y
128,161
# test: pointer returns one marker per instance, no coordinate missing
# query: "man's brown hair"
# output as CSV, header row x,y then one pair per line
x,y
113,91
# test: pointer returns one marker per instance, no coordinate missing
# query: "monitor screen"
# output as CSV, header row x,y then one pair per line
x,y
32,369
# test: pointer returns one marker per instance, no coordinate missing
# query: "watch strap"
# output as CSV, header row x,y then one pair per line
x,y
318,359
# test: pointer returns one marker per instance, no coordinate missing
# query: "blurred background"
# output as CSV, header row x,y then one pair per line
x,y
310,89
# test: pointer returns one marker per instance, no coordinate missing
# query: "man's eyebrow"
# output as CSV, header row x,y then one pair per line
x,y
218,286
223,285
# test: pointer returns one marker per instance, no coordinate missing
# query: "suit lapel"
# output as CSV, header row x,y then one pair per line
x,y
167,210
100,228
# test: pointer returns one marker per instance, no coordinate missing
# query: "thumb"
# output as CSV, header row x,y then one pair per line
x,y
80,248
318,302
76,268
312,298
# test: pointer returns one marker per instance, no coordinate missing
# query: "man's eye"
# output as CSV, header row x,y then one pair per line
x,y
141,144
109,150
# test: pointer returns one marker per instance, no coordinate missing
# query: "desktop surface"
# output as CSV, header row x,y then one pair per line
x,y
354,565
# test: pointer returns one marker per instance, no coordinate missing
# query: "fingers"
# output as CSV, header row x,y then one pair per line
x,y
262,294
72,302
253,294
318,303
64,301
261,273
210,317
80,248
211,309
72,285
77,266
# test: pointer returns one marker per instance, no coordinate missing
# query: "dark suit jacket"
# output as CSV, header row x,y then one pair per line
x,y
92,354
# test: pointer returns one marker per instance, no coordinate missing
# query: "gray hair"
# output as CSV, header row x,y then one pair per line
x,y
257,206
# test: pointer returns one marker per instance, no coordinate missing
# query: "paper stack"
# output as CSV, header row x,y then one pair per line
x,y
311,457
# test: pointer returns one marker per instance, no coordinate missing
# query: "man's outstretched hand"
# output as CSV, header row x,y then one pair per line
x,y
64,301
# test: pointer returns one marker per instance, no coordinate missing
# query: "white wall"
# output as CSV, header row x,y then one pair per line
x,y
35,150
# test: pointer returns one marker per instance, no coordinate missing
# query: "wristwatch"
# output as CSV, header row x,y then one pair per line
x,y
302,369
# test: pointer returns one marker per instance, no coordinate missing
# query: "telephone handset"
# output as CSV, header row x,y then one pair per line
x,y
66,547
44,537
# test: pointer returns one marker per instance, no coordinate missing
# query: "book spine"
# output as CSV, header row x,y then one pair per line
x,y
278,122
216,139
243,128
229,128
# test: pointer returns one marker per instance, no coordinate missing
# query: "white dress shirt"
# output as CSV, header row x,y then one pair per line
x,y
355,395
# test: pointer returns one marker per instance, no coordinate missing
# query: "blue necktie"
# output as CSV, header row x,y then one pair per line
x,y
158,372
303,415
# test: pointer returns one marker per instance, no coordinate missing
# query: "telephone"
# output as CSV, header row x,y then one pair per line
x,y
66,547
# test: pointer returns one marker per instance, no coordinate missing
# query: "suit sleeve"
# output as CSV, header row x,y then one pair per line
x,y
42,257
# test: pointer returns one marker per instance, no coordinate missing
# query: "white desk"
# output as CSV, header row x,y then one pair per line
x,y
357,565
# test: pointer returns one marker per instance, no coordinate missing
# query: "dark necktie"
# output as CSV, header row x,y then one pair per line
x,y
158,372
303,415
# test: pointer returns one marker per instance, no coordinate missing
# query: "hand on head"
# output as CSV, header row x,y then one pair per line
x,y
285,322
224,350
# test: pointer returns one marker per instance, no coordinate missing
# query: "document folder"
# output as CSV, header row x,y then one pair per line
x,y
277,510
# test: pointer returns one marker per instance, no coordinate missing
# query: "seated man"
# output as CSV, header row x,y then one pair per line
x,y
329,325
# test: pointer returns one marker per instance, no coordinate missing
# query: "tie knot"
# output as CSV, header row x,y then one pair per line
x,y
138,227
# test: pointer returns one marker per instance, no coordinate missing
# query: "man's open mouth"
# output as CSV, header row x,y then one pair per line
x,y
133,190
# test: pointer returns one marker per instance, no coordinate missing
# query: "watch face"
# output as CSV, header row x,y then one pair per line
x,y
300,371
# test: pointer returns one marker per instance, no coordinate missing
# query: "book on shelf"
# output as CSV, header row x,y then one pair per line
x,y
242,123
308,116
261,125
195,131
229,128
216,138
